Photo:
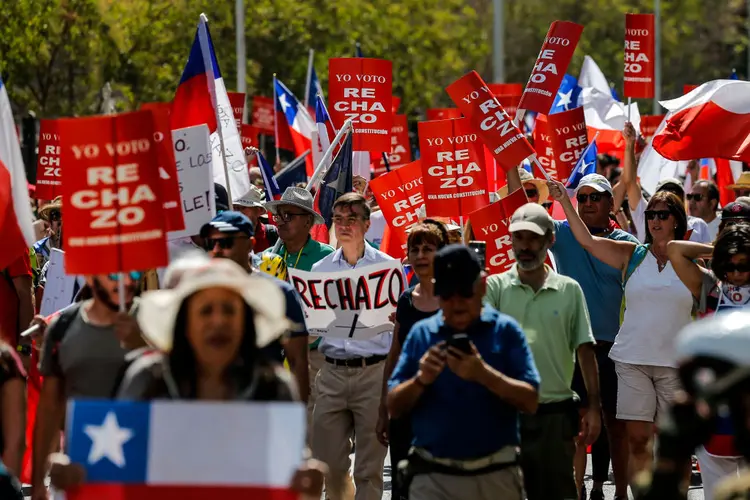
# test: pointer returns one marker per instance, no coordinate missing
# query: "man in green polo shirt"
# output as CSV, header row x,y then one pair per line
x,y
552,312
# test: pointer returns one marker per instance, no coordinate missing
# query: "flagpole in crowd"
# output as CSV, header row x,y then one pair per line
x,y
307,78
275,122
657,63
239,14
498,35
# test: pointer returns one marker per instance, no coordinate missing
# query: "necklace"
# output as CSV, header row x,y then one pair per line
x,y
286,255
661,263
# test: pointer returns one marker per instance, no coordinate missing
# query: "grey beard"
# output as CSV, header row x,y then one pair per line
x,y
534,264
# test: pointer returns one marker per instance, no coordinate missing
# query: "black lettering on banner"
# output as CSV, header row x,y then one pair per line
x,y
316,298
301,287
330,303
346,295
362,294
401,286
380,276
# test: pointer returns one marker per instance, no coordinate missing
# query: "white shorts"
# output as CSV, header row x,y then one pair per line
x,y
645,391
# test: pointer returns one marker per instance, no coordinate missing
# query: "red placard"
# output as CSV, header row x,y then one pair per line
x,y
443,114
452,157
395,104
263,114
361,89
400,153
400,195
515,89
569,138
543,145
649,124
237,101
113,215
551,65
48,168
639,56
490,224
688,87
249,138
169,182
493,125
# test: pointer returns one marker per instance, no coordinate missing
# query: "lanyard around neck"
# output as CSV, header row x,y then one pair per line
x,y
286,256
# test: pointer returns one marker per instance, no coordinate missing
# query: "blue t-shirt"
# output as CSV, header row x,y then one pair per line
x,y
601,284
455,418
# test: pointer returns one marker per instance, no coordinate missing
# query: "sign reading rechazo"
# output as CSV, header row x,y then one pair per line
x,y
352,304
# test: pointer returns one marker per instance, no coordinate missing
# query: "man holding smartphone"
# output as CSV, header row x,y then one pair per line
x,y
465,417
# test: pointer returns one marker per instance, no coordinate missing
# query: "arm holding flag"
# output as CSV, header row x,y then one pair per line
x,y
613,253
630,167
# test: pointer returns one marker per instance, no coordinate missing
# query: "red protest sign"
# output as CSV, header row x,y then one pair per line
x,y
551,65
569,139
361,89
169,182
493,125
543,145
452,159
639,56
490,224
509,95
400,195
48,168
443,114
395,104
400,153
237,101
263,114
649,124
113,215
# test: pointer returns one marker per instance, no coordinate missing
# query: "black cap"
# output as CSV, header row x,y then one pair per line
x,y
736,210
229,222
221,197
456,270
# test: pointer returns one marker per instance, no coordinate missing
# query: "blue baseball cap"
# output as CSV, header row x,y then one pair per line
x,y
229,222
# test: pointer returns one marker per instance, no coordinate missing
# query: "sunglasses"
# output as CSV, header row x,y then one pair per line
x,y
134,275
55,216
595,197
696,197
532,193
287,216
224,243
660,214
743,267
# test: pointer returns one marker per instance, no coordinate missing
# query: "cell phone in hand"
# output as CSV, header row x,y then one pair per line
x,y
460,341
480,247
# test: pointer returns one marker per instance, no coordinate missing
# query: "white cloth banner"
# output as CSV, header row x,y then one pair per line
x,y
353,304
193,158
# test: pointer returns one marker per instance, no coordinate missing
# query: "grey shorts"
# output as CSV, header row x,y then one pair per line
x,y
644,391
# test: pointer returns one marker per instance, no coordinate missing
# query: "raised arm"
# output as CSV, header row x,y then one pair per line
x,y
630,167
682,255
613,253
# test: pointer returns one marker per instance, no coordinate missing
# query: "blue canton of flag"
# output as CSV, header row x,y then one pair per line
x,y
358,50
586,165
734,76
615,96
273,192
337,181
321,113
567,95
285,101
314,86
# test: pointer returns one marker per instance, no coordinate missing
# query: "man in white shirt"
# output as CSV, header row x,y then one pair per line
x,y
349,384
703,202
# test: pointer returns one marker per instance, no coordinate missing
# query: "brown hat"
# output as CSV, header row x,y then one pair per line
x,y
742,183
526,176
56,204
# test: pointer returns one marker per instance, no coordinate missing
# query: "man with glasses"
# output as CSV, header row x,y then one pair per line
x,y
703,202
253,207
230,236
82,356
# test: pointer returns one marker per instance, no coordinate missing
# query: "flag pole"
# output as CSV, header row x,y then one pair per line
x,y
535,161
275,121
630,99
307,79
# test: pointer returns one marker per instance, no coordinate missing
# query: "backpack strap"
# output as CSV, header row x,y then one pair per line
x,y
64,320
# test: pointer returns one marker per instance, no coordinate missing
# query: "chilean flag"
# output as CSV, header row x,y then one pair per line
x,y
712,121
323,133
170,450
15,210
273,192
586,165
298,120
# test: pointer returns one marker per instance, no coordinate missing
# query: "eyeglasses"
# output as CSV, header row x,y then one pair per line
x,y
134,275
224,243
595,197
345,221
696,196
531,193
743,267
55,216
661,214
287,216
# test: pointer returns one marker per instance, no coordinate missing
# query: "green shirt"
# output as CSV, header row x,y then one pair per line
x,y
555,320
312,252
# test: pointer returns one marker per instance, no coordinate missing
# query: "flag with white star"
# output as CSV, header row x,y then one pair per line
x,y
567,95
586,165
170,449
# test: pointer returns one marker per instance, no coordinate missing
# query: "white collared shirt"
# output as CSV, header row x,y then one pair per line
x,y
345,348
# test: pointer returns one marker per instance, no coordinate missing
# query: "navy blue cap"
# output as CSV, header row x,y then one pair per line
x,y
456,269
229,222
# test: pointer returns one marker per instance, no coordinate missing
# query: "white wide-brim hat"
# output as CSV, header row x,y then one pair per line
x,y
297,197
157,310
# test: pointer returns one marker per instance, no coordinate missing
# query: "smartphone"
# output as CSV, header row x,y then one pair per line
x,y
460,341
480,247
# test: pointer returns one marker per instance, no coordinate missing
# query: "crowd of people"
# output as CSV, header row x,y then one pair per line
x,y
487,387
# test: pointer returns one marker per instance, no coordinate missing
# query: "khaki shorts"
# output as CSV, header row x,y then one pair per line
x,y
643,391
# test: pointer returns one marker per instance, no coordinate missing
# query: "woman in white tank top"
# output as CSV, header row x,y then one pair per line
x,y
656,306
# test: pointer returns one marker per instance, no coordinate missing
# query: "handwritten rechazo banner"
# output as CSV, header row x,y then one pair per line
x,y
452,158
569,139
237,101
400,195
353,304
443,113
543,146
550,67
361,89
649,124
114,218
639,56
48,168
488,118
263,114
490,224
400,153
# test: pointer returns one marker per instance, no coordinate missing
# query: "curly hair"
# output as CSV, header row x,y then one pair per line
x,y
734,240
676,207
428,231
